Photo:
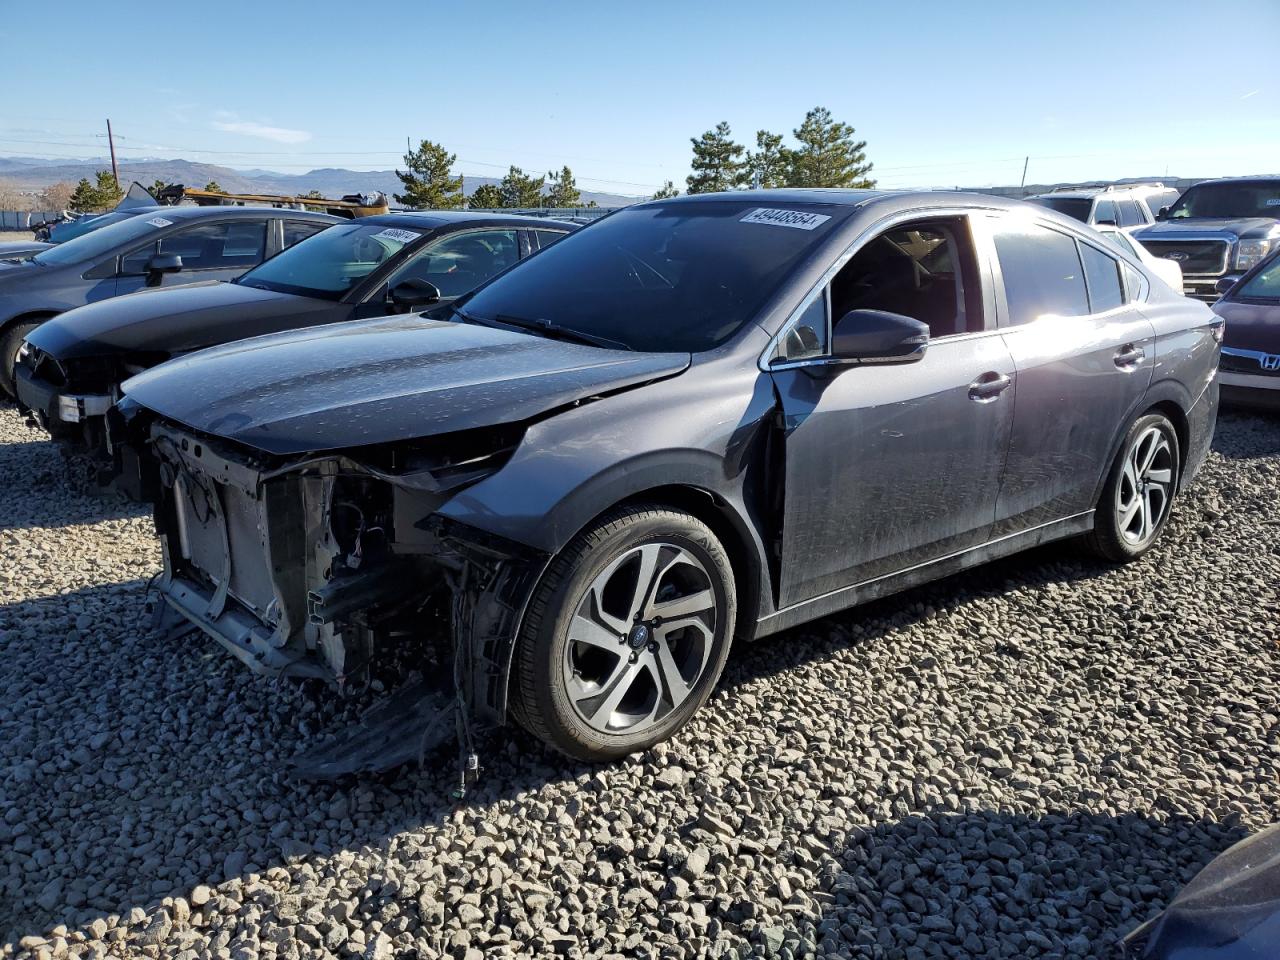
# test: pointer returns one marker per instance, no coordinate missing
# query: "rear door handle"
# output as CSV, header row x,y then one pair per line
x,y
989,386
1130,356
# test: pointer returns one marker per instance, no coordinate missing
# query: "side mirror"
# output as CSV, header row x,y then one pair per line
x,y
1163,214
878,336
1225,285
161,264
413,294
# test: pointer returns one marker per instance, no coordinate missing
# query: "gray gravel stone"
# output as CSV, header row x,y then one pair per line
x,y
1026,759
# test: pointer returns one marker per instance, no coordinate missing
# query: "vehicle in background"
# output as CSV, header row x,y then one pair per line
x,y
1250,367
702,418
1165,269
1217,229
1229,911
49,233
71,367
349,207
176,245
1117,205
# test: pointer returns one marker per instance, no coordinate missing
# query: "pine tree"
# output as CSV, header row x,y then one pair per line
x,y
769,164
214,187
158,186
428,184
94,197
487,196
828,155
563,190
717,161
667,192
521,190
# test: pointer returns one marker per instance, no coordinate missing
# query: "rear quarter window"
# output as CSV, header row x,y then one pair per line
x,y
1042,273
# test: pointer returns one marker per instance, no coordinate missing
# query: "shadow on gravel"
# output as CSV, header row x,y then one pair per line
x,y
1247,434
988,884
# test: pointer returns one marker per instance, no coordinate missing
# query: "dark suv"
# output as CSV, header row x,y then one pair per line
x,y
1217,229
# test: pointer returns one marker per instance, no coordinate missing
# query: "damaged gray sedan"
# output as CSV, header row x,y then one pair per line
x,y
563,496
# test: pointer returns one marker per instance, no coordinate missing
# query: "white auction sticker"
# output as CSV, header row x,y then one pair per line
x,y
785,218
1273,201
160,222
399,236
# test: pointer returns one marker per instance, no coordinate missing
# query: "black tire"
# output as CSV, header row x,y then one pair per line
x,y
540,675
1111,538
10,341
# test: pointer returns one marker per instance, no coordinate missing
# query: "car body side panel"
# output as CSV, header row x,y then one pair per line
x,y
574,466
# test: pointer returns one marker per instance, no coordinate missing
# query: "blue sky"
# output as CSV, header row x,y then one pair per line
x,y
945,93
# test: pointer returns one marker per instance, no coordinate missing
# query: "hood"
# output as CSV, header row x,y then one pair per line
x,y
170,320
1246,228
1250,326
374,381
22,248
1231,909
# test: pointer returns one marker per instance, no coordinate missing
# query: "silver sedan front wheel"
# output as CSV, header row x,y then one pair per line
x,y
640,639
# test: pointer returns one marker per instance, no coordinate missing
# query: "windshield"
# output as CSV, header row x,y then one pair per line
x,y
333,261
1229,200
1075,207
678,277
95,244
62,232
1264,285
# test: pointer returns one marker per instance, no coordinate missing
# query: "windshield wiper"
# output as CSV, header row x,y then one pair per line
x,y
544,328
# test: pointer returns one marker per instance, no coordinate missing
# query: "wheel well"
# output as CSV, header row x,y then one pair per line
x,y
1178,417
717,515
33,316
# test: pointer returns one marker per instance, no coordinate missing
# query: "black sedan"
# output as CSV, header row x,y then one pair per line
x,y
1251,352
697,419
72,365
169,246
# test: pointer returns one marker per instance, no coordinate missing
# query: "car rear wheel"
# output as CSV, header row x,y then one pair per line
x,y
626,635
1139,492
10,342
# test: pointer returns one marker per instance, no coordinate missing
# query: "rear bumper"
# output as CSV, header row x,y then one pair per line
x,y
1250,390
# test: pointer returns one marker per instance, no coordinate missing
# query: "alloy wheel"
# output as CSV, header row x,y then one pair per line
x,y
1145,488
640,639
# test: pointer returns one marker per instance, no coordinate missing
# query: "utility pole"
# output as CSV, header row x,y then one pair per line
x,y
115,171
1025,164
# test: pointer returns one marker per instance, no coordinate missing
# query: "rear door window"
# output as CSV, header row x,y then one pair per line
x,y
295,230
1042,273
1130,215
547,237
1102,273
1105,212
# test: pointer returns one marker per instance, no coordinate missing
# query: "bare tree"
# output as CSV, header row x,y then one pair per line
x,y
57,196
11,198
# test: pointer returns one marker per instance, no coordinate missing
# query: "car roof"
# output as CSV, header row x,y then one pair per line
x,y
852,199
200,213
1252,178
433,219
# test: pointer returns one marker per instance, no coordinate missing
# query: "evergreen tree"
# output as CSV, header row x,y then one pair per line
x,y
214,187
828,155
158,186
428,183
668,190
769,164
313,195
563,190
717,161
487,196
94,197
521,190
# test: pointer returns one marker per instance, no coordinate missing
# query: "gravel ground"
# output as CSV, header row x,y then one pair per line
x,y
1026,760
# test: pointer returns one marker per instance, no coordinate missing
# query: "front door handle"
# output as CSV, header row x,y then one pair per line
x,y
989,386
1129,356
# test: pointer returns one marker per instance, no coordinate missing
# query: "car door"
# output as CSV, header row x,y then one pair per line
x,y
456,263
1082,351
210,250
888,466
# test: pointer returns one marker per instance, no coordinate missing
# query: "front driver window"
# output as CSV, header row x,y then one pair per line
x,y
459,263
207,246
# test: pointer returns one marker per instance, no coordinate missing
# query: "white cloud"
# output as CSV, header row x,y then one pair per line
x,y
1250,94
229,122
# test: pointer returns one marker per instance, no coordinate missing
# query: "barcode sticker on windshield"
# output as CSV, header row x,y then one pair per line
x,y
785,218
159,222
399,236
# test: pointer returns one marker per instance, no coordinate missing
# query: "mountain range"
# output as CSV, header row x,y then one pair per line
x,y
33,174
